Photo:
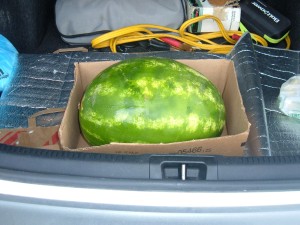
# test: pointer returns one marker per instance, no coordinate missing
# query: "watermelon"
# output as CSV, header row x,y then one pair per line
x,y
150,100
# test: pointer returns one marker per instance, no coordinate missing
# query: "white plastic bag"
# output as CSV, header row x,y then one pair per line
x,y
289,97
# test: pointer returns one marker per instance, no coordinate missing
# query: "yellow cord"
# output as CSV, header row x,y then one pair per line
x,y
288,42
203,41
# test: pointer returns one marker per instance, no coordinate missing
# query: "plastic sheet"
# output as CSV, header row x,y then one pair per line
x,y
42,81
289,97
246,67
275,67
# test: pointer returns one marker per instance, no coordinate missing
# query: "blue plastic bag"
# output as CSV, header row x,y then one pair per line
x,y
8,61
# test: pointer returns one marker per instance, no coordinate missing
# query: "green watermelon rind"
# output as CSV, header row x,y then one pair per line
x,y
150,100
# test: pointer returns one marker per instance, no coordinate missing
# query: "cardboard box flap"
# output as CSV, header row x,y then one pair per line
x,y
215,146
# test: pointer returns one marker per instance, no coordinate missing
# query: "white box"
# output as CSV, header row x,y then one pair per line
x,y
229,15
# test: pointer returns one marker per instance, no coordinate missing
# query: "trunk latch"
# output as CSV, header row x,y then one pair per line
x,y
183,168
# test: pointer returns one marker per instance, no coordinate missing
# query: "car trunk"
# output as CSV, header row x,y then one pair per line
x,y
270,163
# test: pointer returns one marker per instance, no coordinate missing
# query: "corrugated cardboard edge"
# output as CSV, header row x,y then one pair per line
x,y
229,143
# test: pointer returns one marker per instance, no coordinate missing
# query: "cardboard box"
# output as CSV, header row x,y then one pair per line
x,y
220,72
229,15
33,136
